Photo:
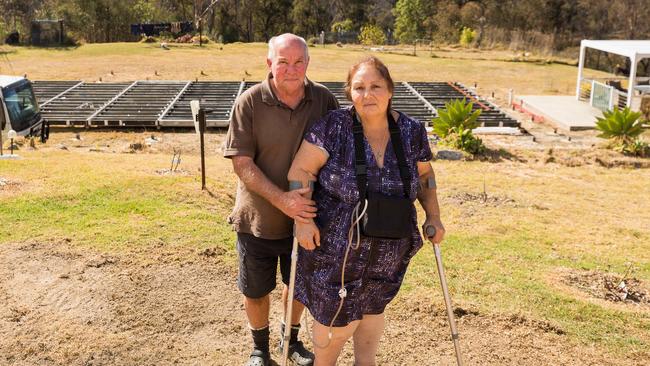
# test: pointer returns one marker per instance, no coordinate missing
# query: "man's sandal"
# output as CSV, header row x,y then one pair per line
x,y
259,358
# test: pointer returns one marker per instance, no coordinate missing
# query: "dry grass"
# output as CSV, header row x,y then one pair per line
x,y
539,216
499,254
138,61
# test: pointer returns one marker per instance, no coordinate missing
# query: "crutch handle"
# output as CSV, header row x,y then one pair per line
x,y
430,231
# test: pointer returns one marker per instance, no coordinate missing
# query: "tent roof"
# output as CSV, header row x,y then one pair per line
x,y
627,48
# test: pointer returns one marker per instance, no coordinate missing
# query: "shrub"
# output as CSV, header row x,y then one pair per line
x,y
467,36
371,35
639,148
621,127
313,41
463,139
342,26
204,39
166,36
455,114
454,125
148,39
186,38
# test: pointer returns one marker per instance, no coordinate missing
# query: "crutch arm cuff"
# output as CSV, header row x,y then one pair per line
x,y
296,184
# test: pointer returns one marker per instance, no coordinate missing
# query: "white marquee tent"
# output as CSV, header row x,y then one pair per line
x,y
634,50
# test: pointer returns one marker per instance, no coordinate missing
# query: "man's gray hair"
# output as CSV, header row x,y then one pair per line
x,y
290,37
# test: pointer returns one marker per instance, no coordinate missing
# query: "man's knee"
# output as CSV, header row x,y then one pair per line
x,y
257,301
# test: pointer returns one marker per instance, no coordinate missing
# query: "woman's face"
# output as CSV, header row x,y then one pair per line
x,y
369,92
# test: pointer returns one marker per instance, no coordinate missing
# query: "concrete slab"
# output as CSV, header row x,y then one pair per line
x,y
563,111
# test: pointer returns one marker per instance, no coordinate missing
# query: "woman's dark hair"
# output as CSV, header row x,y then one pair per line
x,y
379,66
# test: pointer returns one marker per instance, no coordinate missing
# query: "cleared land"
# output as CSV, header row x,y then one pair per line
x,y
108,258
138,61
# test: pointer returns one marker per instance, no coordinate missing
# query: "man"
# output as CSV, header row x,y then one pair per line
x,y
266,129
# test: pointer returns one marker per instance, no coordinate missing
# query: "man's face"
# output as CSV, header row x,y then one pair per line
x,y
289,66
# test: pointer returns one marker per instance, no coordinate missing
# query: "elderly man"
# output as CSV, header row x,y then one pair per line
x,y
266,129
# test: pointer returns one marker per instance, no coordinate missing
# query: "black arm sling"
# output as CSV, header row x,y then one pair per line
x,y
386,216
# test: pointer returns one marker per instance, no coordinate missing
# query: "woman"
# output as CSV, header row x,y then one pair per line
x,y
332,251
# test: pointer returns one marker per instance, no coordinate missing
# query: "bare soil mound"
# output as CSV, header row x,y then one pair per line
x,y
157,305
11,187
482,198
609,286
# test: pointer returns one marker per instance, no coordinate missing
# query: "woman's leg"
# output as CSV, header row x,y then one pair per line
x,y
366,339
327,356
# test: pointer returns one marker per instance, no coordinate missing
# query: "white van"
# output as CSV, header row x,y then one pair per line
x,y
19,109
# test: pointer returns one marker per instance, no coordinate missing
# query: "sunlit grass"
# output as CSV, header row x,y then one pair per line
x,y
499,258
141,61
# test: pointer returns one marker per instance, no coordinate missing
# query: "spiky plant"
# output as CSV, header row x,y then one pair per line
x,y
621,126
639,148
455,114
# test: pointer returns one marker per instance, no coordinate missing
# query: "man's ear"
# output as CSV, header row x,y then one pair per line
x,y
269,62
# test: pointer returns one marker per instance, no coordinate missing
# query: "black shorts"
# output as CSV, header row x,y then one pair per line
x,y
258,263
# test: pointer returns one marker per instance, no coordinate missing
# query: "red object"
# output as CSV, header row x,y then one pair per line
x,y
469,96
520,107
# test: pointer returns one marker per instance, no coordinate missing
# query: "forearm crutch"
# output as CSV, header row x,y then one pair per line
x,y
293,185
287,317
430,232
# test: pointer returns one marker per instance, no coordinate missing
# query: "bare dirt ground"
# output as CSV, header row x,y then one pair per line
x,y
62,304
157,305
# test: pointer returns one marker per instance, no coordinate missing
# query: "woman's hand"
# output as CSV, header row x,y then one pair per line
x,y
308,235
437,224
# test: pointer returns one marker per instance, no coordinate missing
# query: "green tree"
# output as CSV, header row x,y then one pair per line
x,y
271,17
380,13
354,10
144,11
310,17
447,21
409,19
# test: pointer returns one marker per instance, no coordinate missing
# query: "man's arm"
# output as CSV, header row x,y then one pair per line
x,y
292,204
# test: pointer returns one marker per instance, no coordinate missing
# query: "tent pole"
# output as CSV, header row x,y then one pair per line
x,y
632,82
581,65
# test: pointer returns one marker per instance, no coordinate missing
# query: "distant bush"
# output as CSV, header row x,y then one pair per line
x,y
313,41
467,36
148,39
342,26
623,128
372,35
204,39
186,38
166,36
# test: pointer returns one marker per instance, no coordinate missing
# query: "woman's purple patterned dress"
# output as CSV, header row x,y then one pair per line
x,y
372,278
